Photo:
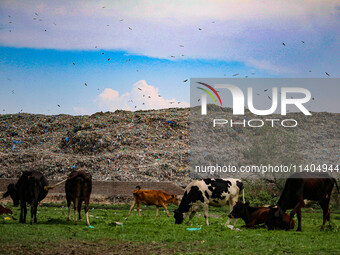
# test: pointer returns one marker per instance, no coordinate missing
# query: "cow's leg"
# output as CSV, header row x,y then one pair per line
x,y
87,211
166,209
157,211
34,206
297,209
79,209
21,213
232,203
75,203
35,212
192,214
206,214
69,208
326,213
138,208
132,206
298,213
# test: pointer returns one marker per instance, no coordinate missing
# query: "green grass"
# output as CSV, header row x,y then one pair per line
x,y
151,235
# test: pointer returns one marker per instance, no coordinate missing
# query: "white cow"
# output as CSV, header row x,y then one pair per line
x,y
202,193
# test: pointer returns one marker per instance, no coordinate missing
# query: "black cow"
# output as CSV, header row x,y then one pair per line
x,y
28,189
202,193
300,186
253,216
78,188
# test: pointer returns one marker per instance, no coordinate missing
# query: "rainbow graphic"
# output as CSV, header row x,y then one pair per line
x,y
209,93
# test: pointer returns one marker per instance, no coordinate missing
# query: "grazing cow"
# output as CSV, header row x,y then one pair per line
x,y
202,193
300,186
28,189
255,215
152,197
4,210
78,188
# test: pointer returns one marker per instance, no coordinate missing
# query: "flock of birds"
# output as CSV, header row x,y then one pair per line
x,y
39,19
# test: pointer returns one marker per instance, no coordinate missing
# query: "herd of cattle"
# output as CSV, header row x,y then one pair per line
x,y
32,187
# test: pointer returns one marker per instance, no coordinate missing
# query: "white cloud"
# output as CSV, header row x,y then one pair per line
x,y
141,97
246,31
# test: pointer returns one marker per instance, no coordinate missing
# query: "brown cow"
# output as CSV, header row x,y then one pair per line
x,y
78,188
255,215
5,210
152,197
312,186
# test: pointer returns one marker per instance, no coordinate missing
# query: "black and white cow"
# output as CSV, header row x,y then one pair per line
x,y
200,194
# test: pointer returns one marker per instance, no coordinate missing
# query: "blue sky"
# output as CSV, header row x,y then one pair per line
x,y
167,42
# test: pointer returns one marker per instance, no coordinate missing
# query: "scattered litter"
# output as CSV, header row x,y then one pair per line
x,y
91,226
194,229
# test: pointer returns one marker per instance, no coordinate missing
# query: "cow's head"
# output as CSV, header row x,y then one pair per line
x,y
179,217
12,191
275,218
239,210
174,200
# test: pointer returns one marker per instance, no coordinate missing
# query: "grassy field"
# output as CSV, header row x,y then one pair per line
x,y
150,235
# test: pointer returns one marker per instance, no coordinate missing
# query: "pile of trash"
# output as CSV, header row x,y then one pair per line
x,y
139,146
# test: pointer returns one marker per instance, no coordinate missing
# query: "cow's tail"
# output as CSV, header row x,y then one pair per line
x,y
239,184
336,184
59,183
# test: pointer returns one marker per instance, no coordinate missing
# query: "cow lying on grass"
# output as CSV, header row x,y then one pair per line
x,y
253,216
5,210
152,197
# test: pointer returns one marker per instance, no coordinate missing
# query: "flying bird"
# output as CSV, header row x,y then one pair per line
x,y
269,98
73,63
121,20
102,53
85,84
265,90
58,105
185,80
327,74
181,46
303,41
172,56
36,14
139,88
235,74
283,44
149,97
199,28
108,59
130,28
310,71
